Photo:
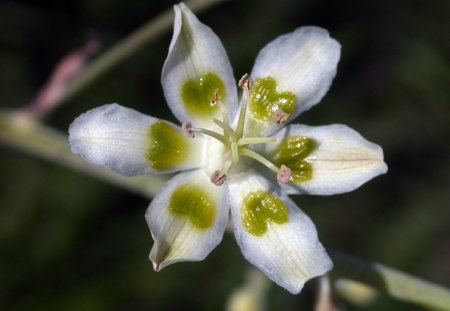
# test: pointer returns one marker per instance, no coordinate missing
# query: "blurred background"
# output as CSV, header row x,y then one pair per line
x,y
71,242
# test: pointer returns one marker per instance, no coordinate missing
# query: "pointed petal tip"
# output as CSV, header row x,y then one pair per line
x,y
181,9
158,258
383,167
159,261
181,6
296,288
156,267
377,162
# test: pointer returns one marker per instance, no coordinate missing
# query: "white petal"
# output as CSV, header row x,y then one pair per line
x,y
289,252
122,139
303,63
195,51
341,161
187,219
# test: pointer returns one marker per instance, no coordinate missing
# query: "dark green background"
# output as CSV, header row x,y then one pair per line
x,y
70,242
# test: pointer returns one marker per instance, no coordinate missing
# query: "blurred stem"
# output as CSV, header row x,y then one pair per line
x,y
123,50
392,282
42,141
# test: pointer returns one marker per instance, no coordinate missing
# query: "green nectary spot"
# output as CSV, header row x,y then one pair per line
x,y
266,98
193,202
259,208
168,148
197,94
292,153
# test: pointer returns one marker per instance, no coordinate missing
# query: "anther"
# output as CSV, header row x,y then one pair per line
x,y
214,97
280,116
245,82
187,129
218,178
284,174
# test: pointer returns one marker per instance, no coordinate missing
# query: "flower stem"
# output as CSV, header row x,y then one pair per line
x,y
126,48
391,281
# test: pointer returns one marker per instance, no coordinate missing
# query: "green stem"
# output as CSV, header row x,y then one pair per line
x,y
392,282
126,48
49,144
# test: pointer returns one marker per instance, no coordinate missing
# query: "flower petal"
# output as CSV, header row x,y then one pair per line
x,y
293,72
197,69
326,160
274,235
131,143
187,219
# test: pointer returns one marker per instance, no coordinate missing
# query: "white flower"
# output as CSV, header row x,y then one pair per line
x,y
234,158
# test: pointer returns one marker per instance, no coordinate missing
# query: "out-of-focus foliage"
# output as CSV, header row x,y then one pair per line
x,y
69,242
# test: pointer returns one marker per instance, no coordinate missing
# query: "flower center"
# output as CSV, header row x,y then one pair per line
x,y
236,142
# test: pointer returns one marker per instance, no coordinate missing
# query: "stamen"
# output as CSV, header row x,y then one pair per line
x,y
280,116
214,97
216,101
284,174
213,134
227,166
187,129
255,140
252,154
235,152
218,178
246,84
224,111
227,130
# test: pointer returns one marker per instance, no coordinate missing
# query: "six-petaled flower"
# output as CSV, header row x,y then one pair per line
x,y
236,160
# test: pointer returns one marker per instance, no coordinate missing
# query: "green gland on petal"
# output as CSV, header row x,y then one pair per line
x,y
259,208
200,96
195,204
168,148
266,99
292,153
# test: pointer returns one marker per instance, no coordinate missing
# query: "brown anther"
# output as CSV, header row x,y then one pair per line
x,y
187,129
284,174
245,82
280,116
218,178
214,97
